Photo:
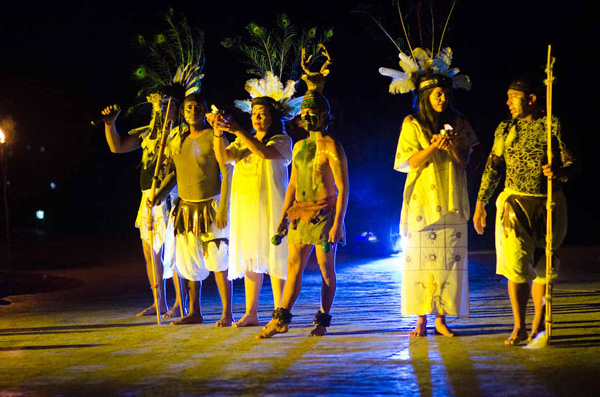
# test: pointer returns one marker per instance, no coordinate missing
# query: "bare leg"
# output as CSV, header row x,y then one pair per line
x,y
519,295
253,284
537,293
328,285
225,289
298,255
195,314
421,328
160,287
277,285
178,308
440,326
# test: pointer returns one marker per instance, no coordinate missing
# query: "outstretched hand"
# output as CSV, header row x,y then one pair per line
x,y
220,122
441,142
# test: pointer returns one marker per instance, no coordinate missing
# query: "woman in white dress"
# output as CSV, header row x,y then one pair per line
x,y
433,149
260,179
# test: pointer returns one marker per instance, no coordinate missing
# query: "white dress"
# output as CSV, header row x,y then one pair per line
x,y
433,226
257,194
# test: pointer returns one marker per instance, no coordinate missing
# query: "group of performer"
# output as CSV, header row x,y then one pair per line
x,y
226,207
223,219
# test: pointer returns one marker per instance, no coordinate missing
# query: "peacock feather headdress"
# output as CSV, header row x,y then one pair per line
x,y
271,54
174,60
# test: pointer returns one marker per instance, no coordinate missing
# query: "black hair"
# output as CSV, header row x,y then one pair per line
x,y
276,113
425,113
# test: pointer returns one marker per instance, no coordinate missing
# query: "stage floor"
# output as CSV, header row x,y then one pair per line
x,y
69,329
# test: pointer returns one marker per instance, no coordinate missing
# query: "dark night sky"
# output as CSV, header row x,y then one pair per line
x,y
59,65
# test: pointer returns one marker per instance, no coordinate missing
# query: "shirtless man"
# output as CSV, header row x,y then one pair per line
x,y
201,242
314,209
147,138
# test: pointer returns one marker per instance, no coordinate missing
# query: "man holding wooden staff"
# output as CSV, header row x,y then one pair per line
x,y
520,153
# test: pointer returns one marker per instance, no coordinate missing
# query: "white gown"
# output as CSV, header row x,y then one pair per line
x,y
257,194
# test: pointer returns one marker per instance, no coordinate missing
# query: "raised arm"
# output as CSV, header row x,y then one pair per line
x,y
116,143
260,149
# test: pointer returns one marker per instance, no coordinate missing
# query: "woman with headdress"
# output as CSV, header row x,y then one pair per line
x,y
260,179
433,149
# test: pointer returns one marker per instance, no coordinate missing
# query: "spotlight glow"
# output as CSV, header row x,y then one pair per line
x,y
39,214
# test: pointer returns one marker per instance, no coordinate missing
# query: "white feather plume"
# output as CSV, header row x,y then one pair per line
x,y
421,63
271,86
400,84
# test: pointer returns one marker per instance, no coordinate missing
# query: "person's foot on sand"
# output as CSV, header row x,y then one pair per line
x,y
247,321
274,327
192,318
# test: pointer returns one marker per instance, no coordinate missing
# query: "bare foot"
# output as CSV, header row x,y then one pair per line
x,y
194,318
225,321
420,330
274,327
247,321
151,311
516,337
536,329
319,330
441,328
173,312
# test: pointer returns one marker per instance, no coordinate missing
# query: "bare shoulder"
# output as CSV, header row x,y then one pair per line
x,y
333,147
408,119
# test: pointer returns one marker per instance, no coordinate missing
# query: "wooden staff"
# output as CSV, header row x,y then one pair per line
x,y
159,158
549,206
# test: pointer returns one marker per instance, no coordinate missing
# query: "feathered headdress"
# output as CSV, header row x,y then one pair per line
x,y
174,61
271,54
421,64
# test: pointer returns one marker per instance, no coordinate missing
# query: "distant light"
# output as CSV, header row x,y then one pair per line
x,y
39,214
2,136
42,149
52,185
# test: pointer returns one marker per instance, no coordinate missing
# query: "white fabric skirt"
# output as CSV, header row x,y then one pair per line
x,y
435,275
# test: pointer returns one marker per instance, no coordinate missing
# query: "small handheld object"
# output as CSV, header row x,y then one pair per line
x,y
448,130
326,246
278,238
214,109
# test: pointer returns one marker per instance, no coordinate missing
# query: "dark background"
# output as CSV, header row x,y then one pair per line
x,y
61,64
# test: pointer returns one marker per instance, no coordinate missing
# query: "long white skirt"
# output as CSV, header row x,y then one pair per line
x,y
435,275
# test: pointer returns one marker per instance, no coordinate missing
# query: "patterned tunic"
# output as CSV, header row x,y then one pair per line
x,y
520,151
